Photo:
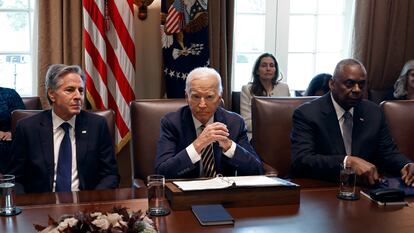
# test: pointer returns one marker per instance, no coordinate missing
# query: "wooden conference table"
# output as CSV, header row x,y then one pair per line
x,y
319,211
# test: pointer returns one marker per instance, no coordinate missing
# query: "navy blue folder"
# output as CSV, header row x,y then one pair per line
x,y
397,183
209,215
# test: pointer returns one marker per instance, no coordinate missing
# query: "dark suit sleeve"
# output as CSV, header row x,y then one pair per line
x,y
18,159
172,160
306,161
108,169
245,159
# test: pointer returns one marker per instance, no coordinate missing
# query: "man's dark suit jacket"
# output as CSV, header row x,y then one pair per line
x,y
178,132
317,144
33,155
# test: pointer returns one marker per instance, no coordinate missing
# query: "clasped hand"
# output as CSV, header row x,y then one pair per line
x,y
5,136
215,132
369,174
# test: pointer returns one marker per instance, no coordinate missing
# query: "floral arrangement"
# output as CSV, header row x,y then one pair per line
x,y
117,221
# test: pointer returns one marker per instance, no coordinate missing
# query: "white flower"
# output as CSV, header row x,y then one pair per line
x,y
120,224
68,222
95,214
114,218
101,223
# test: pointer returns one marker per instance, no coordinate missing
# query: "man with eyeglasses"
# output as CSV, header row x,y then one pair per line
x,y
203,139
342,128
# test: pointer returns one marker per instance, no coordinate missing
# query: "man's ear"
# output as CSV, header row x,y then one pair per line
x,y
51,95
186,97
331,83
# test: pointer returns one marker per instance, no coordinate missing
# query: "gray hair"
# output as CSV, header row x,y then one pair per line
x,y
55,73
203,71
346,62
400,86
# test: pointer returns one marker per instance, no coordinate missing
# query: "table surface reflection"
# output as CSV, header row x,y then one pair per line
x,y
319,211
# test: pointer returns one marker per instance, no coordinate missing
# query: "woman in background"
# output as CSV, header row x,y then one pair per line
x,y
10,100
266,82
319,85
404,86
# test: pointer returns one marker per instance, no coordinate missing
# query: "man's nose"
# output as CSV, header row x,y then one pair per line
x,y
202,103
356,88
77,94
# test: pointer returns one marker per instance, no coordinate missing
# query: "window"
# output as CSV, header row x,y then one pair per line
x,y
16,46
306,36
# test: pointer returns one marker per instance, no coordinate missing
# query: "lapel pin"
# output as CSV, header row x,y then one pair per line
x,y
83,131
361,119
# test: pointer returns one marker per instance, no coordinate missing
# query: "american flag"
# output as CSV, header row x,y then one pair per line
x,y
110,60
174,21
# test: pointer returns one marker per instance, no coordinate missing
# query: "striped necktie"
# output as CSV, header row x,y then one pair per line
x,y
207,158
64,166
347,132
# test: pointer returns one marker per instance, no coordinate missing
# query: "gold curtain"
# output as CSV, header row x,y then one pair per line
x,y
60,37
221,18
383,39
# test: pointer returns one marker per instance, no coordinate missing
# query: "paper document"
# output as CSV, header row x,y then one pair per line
x,y
221,182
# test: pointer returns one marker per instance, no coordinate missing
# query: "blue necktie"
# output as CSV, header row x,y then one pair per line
x,y
64,166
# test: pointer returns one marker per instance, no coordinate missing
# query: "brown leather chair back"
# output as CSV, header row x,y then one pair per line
x,y
399,115
271,127
32,102
20,114
107,114
145,130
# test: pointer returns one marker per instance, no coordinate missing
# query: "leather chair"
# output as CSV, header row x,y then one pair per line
x,y
399,115
145,130
235,101
271,127
107,114
32,102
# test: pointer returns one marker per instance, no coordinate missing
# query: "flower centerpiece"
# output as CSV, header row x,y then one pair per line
x,y
116,221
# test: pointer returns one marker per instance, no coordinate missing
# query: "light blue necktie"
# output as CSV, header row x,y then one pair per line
x,y
64,166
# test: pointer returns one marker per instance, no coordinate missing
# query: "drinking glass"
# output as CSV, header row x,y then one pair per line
x,y
7,207
157,203
347,179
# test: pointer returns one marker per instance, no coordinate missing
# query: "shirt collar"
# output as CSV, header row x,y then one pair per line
x,y
197,123
57,121
339,110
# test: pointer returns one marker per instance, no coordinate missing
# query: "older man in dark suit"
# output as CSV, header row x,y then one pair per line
x,y
342,128
203,139
64,149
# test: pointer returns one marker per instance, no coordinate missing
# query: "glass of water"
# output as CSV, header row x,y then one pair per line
x,y
157,203
7,207
347,179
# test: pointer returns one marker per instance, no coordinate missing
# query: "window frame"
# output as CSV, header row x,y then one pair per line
x,y
31,11
277,35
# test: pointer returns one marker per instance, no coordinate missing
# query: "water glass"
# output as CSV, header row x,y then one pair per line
x,y
157,203
347,179
7,207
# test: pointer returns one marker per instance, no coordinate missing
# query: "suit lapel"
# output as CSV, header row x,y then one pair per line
x,y
331,119
47,144
81,135
218,117
188,127
357,129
